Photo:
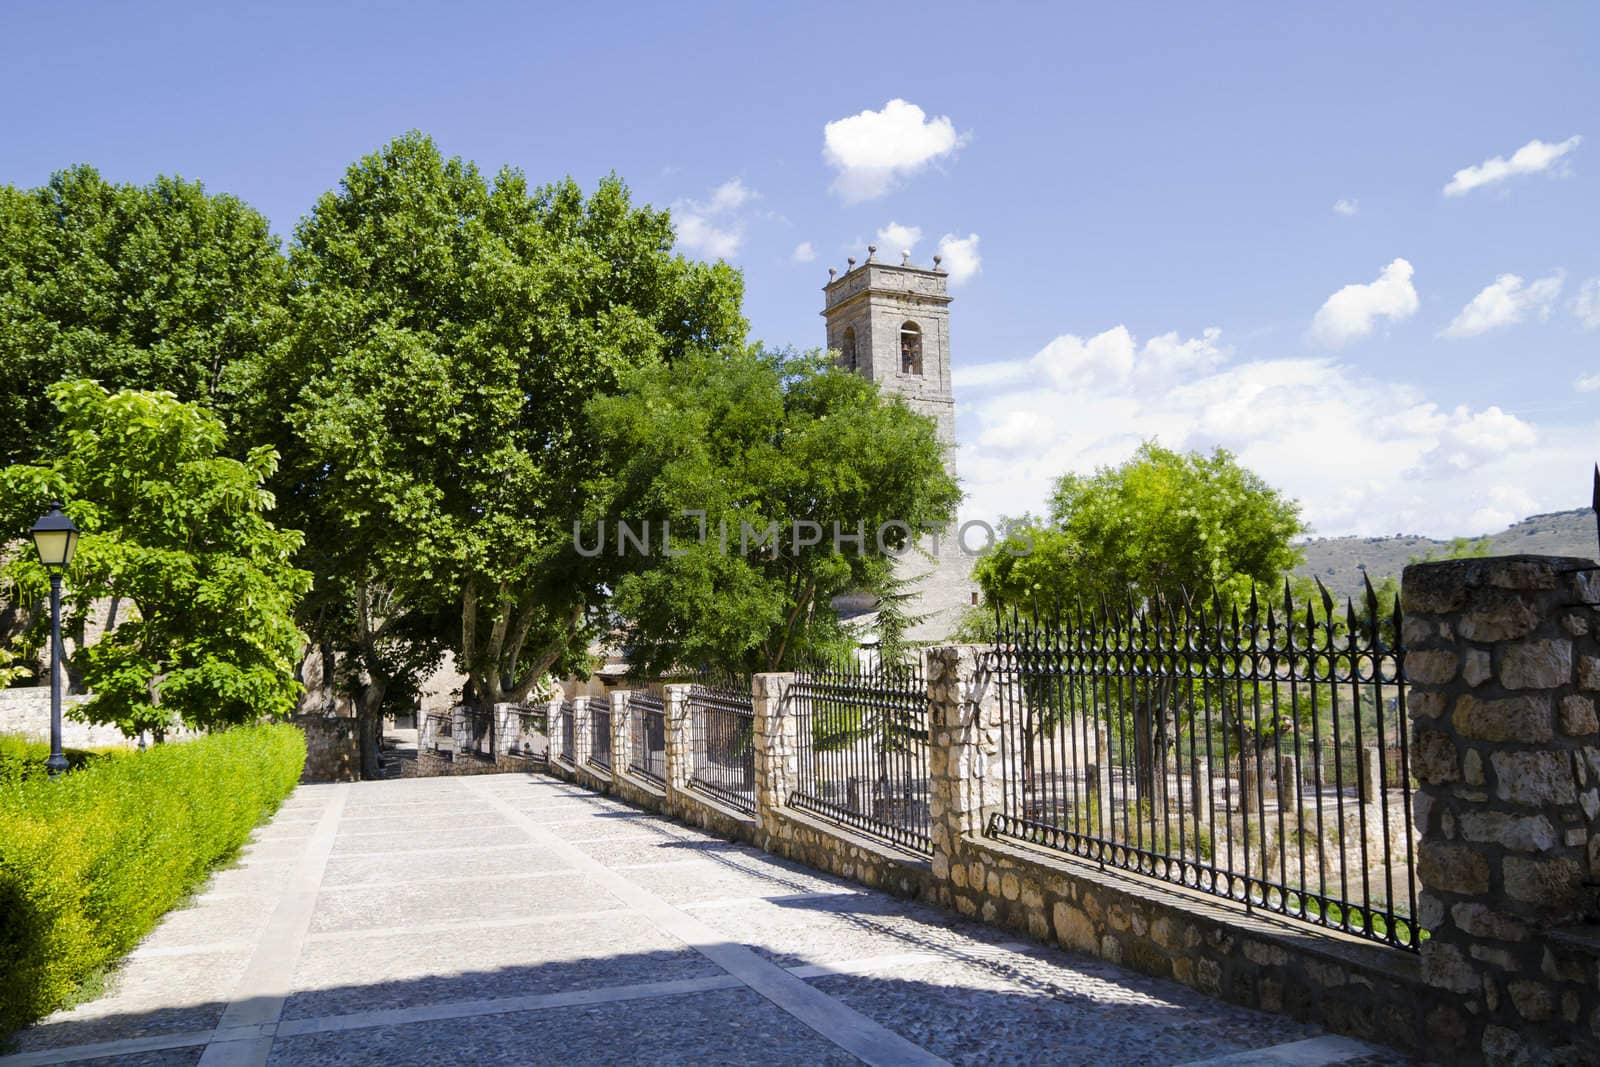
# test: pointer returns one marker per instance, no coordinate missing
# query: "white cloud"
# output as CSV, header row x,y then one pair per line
x,y
712,228
1586,305
1364,454
804,253
895,238
960,256
1110,358
1346,206
1587,383
1505,302
875,150
1531,158
1354,310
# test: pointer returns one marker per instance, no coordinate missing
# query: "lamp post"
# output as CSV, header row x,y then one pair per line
x,y
56,539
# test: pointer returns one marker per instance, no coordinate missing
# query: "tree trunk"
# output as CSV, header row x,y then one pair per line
x,y
369,728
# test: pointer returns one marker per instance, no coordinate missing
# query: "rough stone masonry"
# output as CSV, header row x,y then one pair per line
x,y
1503,657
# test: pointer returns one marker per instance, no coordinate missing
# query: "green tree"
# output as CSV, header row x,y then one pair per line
x,y
751,461
1156,527
428,403
1146,536
157,286
177,540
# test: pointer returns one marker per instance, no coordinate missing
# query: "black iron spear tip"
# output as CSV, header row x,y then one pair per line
x,y
1595,502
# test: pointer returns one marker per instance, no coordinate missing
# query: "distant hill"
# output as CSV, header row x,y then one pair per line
x,y
1339,561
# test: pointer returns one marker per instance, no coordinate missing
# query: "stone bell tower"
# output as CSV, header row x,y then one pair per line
x,y
890,323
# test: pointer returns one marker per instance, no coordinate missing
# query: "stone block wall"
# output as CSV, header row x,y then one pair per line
x,y
1503,656
26,711
333,748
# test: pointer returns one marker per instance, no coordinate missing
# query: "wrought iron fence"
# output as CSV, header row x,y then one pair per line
x,y
1255,754
722,740
600,733
527,733
863,750
647,732
566,726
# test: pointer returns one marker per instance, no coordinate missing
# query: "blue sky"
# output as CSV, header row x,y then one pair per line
x,y
1152,190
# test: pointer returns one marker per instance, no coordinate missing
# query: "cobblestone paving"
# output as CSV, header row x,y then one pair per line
x,y
512,919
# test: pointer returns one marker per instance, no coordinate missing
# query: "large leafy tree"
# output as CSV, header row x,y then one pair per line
x,y
750,462
157,286
1161,530
428,403
1160,526
177,541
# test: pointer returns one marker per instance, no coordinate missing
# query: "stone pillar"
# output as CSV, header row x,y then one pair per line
x,y
1195,783
1503,663
581,730
680,753
965,763
620,737
1371,776
777,746
1289,782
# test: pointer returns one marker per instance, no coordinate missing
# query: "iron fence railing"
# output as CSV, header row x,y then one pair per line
x,y
528,733
647,733
722,741
567,748
1255,754
600,733
863,750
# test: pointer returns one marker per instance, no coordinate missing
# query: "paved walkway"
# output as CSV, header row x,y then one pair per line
x,y
510,919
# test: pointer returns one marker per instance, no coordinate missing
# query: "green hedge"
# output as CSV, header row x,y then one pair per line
x,y
22,758
90,862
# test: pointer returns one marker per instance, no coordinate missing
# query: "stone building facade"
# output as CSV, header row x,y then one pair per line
x,y
890,323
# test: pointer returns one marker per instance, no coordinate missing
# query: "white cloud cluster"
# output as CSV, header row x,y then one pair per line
x,y
874,151
960,257
1586,305
1353,311
1346,206
712,228
803,252
1364,455
1587,383
1531,158
895,238
1505,302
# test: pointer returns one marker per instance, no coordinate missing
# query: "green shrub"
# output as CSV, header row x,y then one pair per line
x,y
91,861
22,758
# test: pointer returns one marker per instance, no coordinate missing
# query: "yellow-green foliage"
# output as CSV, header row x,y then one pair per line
x,y
90,862
21,757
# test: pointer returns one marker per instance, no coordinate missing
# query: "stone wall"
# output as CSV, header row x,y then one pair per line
x,y
26,711
333,750
1503,656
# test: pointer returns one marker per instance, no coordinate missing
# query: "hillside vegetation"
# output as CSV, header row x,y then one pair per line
x,y
1339,561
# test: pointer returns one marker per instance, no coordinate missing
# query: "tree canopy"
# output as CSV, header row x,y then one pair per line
x,y
727,450
428,400
157,286
176,538
1160,524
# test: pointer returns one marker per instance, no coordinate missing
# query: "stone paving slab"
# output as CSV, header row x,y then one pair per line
x,y
513,919
727,1027
360,869
415,904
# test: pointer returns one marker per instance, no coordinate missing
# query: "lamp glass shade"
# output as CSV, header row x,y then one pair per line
x,y
56,538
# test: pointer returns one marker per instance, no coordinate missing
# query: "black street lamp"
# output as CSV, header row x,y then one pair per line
x,y
56,539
